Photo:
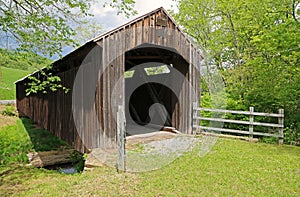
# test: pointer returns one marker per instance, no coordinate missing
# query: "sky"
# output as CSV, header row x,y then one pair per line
x,y
109,19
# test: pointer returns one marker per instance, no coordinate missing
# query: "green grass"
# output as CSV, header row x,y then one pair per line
x,y
7,86
22,60
231,168
15,65
19,139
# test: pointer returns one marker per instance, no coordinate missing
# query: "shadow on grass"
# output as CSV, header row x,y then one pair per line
x,y
42,140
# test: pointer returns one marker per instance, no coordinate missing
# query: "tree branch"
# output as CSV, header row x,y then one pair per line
x,y
25,9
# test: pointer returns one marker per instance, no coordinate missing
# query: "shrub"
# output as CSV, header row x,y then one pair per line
x,y
9,111
291,136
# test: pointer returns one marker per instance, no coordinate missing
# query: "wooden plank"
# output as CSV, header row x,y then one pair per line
x,y
152,29
267,124
132,36
158,30
63,107
195,122
265,134
281,122
113,80
190,95
69,78
172,34
142,30
121,138
127,39
240,112
235,131
108,87
71,125
146,24
251,120
101,93
221,129
228,136
139,33
237,121
106,97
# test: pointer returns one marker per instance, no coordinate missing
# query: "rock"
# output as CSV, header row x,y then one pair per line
x,y
99,157
49,158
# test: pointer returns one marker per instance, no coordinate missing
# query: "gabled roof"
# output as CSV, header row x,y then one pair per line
x,y
130,23
108,33
161,9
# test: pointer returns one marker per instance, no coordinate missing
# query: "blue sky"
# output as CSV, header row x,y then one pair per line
x,y
109,19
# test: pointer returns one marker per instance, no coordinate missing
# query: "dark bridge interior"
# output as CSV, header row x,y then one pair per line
x,y
151,76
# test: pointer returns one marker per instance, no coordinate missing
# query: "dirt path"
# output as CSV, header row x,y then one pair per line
x,y
6,120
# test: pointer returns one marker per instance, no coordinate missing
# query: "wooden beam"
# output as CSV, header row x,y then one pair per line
x,y
142,57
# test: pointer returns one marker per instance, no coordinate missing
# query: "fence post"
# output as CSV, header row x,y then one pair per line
x,y
281,122
251,120
194,122
121,138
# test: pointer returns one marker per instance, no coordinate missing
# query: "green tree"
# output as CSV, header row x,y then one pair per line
x,y
43,26
125,7
46,26
255,44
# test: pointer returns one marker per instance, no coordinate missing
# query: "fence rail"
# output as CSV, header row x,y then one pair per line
x,y
197,118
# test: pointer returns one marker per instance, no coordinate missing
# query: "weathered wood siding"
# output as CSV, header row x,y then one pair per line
x,y
53,111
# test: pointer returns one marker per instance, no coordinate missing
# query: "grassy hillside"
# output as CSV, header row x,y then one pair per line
x,y
232,168
15,65
7,86
22,60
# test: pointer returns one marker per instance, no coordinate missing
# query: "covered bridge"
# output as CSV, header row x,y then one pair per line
x,y
144,62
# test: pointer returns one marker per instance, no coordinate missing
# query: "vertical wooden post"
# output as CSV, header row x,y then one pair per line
x,y
121,138
251,120
281,123
194,115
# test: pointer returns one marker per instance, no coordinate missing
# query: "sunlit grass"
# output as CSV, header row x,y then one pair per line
x,y
231,168
7,86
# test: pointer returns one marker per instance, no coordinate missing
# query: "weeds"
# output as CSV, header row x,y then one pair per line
x,y
9,111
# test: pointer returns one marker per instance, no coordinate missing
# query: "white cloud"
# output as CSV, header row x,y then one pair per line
x,y
108,17
142,7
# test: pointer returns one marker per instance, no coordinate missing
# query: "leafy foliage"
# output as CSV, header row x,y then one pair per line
x,y
42,26
78,160
47,82
47,26
123,6
9,111
255,45
22,60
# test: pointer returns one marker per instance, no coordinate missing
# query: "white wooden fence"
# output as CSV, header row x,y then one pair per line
x,y
197,119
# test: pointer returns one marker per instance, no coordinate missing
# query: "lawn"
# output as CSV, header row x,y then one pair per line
x,y
7,86
231,168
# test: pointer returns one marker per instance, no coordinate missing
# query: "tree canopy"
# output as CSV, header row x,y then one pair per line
x,y
255,45
43,26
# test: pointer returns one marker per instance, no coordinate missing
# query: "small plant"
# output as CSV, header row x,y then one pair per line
x,y
9,111
78,160
269,140
291,135
139,148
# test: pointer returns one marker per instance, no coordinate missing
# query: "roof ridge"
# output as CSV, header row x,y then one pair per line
x,y
99,37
